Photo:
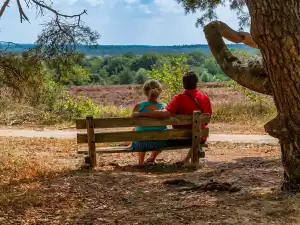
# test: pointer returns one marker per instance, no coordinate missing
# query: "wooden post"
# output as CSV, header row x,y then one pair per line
x,y
196,137
91,141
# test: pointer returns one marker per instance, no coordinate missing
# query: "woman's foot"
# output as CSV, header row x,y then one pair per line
x,y
182,162
150,161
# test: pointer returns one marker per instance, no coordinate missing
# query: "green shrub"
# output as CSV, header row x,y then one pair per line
x,y
46,96
170,75
59,105
68,107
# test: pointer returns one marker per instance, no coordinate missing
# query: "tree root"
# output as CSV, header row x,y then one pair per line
x,y
209,186
277,128
290,186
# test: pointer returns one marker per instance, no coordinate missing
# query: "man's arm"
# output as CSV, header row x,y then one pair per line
x,y
170,110
154,114
207,107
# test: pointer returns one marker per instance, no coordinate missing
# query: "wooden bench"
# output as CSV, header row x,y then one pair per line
x,y
91,138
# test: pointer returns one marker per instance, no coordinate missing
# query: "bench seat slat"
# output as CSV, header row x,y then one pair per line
x,y
127,150
140,121
141,135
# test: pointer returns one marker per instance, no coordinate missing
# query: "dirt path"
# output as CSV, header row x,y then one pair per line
x,y
232,138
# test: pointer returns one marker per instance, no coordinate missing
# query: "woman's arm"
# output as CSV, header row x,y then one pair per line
x,y
135,109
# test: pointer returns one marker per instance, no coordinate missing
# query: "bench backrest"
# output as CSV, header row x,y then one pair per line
x,y
91,123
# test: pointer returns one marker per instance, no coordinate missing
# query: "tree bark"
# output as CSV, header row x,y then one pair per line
x,y
275,28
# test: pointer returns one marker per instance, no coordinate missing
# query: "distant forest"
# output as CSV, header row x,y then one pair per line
x,y
111,50
117,65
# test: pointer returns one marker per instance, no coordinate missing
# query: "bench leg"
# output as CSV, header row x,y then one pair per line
x,y
87,160
91,142
200,160
201,152
196,138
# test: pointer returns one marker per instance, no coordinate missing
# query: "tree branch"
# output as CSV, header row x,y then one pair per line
x,y
5,4
251,74
21,12
8,44
41,5
234,36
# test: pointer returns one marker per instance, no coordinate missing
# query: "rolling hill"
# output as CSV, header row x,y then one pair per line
x,y
108,50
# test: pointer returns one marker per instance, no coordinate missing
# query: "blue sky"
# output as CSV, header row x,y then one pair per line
x,y
120,22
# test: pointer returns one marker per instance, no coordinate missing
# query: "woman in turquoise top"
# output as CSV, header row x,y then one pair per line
x,y
152,89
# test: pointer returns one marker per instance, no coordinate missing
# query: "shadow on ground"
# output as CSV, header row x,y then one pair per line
x,y
159,168
131,195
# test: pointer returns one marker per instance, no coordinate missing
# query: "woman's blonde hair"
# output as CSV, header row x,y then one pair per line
x,y
152,88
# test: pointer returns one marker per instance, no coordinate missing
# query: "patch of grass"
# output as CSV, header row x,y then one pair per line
x,y
25,159
233,113
243,113
63,110
113,111
25,164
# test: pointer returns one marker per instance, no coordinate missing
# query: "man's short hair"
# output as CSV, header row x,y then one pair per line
x,y
190,80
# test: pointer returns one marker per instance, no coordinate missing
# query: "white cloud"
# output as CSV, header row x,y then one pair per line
x,y
168,6
95,2
151,7
131,1
145,9
91,2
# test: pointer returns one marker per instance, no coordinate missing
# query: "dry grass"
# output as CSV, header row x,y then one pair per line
x,y
41,183
244,114
23,158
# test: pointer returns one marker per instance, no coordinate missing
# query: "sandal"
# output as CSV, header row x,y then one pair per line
x,y
179,164
150,162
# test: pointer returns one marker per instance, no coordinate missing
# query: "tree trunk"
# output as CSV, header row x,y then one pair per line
x,y
58,74
275,28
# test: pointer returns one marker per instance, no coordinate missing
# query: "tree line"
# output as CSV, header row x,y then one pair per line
x,y
110,50
129,68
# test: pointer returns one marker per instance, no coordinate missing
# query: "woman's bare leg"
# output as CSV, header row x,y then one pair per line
x,y
189,155
153,156
187,158
141,158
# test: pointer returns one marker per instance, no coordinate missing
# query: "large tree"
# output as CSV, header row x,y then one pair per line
x,y
275,31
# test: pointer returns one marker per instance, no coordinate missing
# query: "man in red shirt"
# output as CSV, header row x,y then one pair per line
x,y
183,103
